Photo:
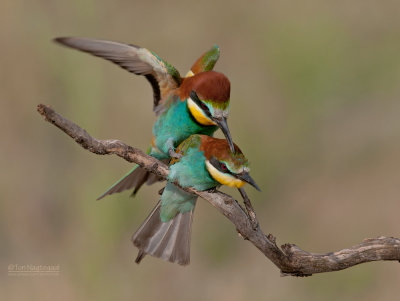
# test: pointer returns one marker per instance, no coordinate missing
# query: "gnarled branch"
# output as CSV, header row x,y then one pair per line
x,y
290,259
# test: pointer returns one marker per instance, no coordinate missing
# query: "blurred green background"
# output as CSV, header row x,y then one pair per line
x,y
315,107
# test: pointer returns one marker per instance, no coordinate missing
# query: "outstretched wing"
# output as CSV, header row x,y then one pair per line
x,y
206,61
162,76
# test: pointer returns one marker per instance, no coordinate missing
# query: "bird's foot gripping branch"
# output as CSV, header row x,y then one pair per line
x,y
290,259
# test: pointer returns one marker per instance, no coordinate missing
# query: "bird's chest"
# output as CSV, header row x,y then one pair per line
x,y
191,171
178,124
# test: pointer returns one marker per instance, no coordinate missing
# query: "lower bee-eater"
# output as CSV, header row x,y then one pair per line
x,y
206,163
196,104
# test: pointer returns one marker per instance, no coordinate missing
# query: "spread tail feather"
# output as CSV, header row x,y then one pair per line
x,y
135,178
167,240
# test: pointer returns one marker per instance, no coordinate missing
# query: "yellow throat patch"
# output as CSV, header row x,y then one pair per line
x,y
223,178
198,113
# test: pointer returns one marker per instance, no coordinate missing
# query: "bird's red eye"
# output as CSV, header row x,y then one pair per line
x,y
204,106
223,167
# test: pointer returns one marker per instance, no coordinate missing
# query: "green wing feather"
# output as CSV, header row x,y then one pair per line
x,y
192,141
206,61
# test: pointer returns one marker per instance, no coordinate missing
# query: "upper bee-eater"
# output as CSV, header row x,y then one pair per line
x,y
195,104
206,163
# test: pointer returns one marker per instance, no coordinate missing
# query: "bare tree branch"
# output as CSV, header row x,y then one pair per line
x,y
290,259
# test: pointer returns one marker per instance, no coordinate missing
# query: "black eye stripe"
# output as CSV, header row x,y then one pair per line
x,y
220,166
201,104
194,97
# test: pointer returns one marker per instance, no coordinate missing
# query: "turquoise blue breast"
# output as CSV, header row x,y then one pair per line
x,y
177,124
191,171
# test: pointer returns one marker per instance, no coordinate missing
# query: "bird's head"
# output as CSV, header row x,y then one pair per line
x,y
208,95
226,167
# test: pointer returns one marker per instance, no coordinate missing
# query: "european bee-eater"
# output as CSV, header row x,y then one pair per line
x,y
206,163
196,104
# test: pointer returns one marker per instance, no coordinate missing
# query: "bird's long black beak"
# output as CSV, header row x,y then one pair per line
x,y
244,176
223,125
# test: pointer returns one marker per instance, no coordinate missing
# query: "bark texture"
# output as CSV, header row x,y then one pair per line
x,y
289,258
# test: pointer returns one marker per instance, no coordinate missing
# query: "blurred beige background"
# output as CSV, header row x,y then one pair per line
x,y
315,107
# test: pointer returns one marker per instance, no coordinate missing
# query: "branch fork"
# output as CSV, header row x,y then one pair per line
x,y
290,259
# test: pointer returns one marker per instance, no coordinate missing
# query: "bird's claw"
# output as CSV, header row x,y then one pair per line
x,y
174,154
212,190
